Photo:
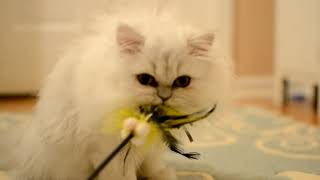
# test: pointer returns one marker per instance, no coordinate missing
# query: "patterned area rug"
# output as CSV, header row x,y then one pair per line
x,y
255,144
248,144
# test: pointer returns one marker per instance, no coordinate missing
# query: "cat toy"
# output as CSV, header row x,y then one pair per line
x,y
141,125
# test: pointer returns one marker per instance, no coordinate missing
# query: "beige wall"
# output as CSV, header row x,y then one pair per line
x,y
33,34
254,37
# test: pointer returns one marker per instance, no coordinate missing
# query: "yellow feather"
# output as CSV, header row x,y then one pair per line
x,y
114,122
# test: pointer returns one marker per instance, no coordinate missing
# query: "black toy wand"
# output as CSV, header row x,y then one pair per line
x,y
97,171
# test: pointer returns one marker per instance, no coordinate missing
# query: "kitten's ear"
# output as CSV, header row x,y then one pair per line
x,y
129,40
200,45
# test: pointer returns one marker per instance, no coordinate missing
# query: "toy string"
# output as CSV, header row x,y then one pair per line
x,y
188,134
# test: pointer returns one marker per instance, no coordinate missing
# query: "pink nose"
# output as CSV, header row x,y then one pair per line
x,y
164,92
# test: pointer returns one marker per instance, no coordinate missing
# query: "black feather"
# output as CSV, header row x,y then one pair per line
x,y
162,119
173,144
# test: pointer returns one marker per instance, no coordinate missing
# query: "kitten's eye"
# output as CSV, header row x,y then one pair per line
x,y
182,81
147,80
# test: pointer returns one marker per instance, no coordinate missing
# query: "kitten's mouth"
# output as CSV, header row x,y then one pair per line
x,y
168,117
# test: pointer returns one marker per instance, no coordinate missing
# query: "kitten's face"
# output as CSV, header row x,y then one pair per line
x,y
171,79
171,70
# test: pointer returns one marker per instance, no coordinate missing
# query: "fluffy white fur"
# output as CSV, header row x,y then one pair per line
x,y
98,75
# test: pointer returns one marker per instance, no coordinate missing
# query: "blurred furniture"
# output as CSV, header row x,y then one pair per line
x,y
297,49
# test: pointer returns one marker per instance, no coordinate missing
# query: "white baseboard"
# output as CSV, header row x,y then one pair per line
x,y
254,87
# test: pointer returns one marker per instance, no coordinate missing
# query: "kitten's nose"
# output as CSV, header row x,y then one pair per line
x,y
164,92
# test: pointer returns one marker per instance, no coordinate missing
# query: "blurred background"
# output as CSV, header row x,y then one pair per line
x,y
275,45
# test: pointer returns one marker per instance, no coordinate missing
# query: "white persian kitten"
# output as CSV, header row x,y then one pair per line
x,y
123,62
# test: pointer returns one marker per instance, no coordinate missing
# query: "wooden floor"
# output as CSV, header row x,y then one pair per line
x,y
298,111
17,104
